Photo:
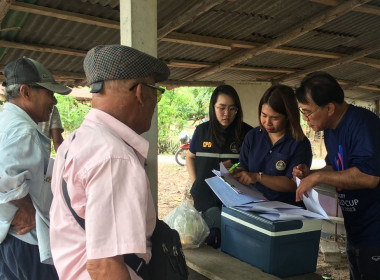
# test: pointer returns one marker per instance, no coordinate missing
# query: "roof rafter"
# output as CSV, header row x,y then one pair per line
x,y
365,9
195,64
58,75
42,48
40,10
4,8
228,44
294,33
331,63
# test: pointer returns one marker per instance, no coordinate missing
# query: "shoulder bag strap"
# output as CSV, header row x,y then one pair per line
x,y
132,260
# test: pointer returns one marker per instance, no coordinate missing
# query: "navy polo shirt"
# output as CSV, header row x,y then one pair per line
x,y
258,155
207,158
356,143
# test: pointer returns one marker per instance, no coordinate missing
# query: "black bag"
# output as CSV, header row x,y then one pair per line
x,y
167,262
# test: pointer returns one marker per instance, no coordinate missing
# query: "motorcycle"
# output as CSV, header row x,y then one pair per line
x,y
180,155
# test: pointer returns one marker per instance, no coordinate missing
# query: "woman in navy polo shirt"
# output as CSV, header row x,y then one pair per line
x,y
215,141
271,150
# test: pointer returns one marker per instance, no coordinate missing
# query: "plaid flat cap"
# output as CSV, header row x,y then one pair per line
x,y
117,62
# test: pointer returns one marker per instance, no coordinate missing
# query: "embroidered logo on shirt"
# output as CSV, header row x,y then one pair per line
x,y
280,165
207,144
234,148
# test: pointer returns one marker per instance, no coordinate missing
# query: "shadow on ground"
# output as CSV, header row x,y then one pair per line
x,y
193,275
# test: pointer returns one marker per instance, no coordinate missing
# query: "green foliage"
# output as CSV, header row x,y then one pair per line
x,y
176,108
72,112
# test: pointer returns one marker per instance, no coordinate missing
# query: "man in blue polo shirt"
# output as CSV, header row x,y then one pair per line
x,y
352,139
25,193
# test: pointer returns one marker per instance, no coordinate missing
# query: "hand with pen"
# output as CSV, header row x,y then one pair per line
x,y
302,171
232,168
244,177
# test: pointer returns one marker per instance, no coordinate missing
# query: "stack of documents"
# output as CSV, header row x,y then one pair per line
x,y
234,194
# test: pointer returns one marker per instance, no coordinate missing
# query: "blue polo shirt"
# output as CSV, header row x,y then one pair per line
x,y
356,143
258,155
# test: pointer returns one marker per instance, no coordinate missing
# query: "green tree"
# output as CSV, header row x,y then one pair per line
x,y
72,112
176,109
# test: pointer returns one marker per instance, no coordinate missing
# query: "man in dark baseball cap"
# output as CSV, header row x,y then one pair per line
x,y
28,71
25,196
104,169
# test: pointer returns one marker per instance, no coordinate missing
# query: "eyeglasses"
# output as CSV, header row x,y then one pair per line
x,y
306,114
159,90
228,109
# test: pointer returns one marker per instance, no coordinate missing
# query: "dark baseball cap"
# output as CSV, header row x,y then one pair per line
x,y
28,71
118,62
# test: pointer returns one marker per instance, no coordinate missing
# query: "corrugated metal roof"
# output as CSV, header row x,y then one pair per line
x,y
252,21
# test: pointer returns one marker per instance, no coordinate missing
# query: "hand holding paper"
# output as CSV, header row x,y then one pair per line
x,y
311,202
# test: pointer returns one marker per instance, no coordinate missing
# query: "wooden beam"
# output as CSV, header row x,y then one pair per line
x,y
188,64
375,63
220,43
196,64
62,76
207,41
41,48
228,44
49,12
314,22
261,69
365,9
5,5
332,63
170,84
306,52
370,87
58,75
198,8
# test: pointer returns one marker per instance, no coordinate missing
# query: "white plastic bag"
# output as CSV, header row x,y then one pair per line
x,y
189,223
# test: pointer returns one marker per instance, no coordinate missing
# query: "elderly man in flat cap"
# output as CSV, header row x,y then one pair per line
x,y
25,193
99,182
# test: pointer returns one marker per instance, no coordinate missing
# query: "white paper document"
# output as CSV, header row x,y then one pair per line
x,y
312,202
242,189
234,194
227,194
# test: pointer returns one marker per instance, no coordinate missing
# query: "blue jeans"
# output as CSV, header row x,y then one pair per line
x,y
364,263
21,261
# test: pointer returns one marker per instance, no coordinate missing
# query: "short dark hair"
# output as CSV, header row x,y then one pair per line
x,y
282,100
322,88
215,127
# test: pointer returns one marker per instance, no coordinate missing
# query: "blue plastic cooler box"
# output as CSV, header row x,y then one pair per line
x,y
281,248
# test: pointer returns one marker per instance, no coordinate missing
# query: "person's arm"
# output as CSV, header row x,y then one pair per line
x,y
108,268
21,159
190,166
56,136
276,183
25,217
190,158
349,179
56,128
302,170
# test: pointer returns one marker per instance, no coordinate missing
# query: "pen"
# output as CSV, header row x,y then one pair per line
x,y
233,167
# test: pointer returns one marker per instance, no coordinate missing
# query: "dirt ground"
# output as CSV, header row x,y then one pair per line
x,y
173,180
